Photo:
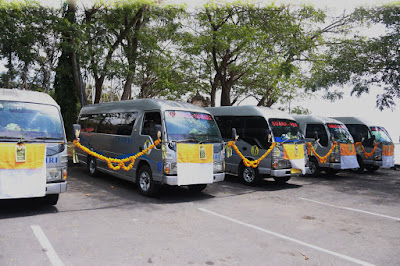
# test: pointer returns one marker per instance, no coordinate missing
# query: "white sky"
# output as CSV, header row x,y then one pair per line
x,y
363,107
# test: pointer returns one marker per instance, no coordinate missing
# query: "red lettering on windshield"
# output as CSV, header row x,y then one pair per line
x,y
283,124
336,126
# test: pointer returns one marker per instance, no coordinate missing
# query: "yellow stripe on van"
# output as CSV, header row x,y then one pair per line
x,y
387,150
190,153
35,156
347,149
293,151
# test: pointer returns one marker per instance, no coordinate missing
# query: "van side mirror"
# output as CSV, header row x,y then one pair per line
x,y
316,135
158,130
269,134
76,128
234,134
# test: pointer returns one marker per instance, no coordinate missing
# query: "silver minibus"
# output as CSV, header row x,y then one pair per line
x,y
33,150
257,129
369,135
323,132
191,152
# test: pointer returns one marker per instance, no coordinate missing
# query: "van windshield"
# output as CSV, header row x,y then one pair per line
x,y
285,130
191,127
340,133
30,122
381,135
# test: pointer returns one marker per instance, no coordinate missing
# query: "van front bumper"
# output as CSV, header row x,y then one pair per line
x,y
56,188
172,180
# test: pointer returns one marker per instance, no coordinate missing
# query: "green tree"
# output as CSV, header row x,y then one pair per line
x,y
25,31
255,50
361,62
64,85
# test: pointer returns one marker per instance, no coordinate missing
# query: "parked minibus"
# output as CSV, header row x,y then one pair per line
x,y
323,132
369,134
191,152
257,128
33,150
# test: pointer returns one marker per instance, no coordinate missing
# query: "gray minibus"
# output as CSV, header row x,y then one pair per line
x,y
257,128
323,132
368,135
33,150
191,152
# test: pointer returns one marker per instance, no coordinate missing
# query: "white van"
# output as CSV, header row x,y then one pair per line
x,y
368,135
323,132
258,128
33,150
191,153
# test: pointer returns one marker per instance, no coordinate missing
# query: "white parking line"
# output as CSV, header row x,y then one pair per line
x,y
46,245
352,209
289,238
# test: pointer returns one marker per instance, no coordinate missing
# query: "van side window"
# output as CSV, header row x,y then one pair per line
x,y
255,131
225,125
112,123
92,123
360,131
150,121
321,131
125,125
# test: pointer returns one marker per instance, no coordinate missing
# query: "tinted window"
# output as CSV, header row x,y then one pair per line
x,y
358,132
252,129
320,130
150,121
255,131
112,123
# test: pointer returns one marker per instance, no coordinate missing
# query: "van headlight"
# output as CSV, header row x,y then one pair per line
x,y
378,156
54,174
170,168
281,164
218,167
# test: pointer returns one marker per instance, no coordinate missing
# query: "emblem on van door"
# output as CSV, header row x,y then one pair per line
x,y
202,152
255,150
228,151
146,145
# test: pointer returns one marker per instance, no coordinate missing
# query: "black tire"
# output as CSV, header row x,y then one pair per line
x,y
51,199
197,188
145,182
92,167
331,171
313,165
361,164
371,168
249,175
281,179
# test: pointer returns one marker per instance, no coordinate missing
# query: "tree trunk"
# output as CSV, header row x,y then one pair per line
x,y
213,93
126,95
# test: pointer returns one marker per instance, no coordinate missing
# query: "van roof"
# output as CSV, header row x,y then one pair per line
x,y
248,110
26,96
139,104
354,120
315,119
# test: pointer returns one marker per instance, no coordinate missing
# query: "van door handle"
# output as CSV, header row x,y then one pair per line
x,y
244,148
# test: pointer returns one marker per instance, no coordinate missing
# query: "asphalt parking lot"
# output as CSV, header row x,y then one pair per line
x,y
348,219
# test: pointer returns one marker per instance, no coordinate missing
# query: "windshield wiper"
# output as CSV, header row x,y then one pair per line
x,y
4,137
48,138
187,140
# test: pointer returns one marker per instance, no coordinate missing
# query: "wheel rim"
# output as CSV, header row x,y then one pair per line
x,y
144,181
312,167
92,166
249,175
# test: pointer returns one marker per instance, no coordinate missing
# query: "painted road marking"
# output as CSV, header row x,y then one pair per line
x,y
289,238
46,245
352,209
